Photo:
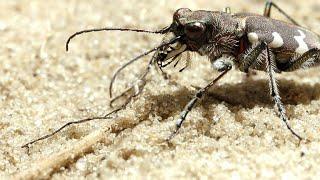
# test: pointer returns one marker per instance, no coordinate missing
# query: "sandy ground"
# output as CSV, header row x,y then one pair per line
x,y
233,133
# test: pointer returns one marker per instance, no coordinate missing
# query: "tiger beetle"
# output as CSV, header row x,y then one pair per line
x,y
244,40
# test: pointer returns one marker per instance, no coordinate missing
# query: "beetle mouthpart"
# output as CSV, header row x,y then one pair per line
x,y
174,51
169,54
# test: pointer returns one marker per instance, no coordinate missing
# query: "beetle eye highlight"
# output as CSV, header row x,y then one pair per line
x,y
194,30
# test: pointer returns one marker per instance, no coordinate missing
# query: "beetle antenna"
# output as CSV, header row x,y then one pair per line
x,y
161,31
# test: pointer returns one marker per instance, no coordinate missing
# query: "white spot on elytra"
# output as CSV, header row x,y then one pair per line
x,y
253,37
277,40
302,48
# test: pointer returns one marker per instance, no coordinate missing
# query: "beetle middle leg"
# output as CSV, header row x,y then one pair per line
x,y
247,59
222,64
267,11
275,92
250,58
193,101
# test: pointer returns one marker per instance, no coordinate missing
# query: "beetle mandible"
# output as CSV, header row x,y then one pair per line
x,y
244,40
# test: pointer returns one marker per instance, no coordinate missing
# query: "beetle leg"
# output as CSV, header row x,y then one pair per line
x,y
301,61
267,11
251,56
248,59
222,64
193,101
274,92
134,90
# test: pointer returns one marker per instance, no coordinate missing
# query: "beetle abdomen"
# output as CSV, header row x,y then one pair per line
x,y
283,38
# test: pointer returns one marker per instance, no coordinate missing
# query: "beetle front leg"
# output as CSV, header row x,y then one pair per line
x,y
134,90
193,101
267,11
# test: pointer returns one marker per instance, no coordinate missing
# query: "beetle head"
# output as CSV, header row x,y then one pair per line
x,y
210,33
194,26
195,29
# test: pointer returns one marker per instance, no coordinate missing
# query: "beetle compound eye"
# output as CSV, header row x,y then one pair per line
x,y
194,30
180,13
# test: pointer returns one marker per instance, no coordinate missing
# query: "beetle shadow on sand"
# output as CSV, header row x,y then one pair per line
x,y
246,94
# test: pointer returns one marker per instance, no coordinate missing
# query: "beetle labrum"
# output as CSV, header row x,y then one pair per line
x,y
250,41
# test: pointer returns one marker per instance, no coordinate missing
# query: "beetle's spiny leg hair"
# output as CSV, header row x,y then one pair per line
x,y
106,116
250,57
274,92
302,61
161,31
137,58
267,11
193,101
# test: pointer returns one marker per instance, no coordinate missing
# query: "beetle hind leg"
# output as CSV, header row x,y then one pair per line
x,y
267,11
308,59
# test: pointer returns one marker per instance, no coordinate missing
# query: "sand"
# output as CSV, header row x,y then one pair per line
x,y
232,133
